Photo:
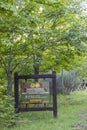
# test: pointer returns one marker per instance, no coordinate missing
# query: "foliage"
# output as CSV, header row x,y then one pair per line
x,y
7,116
38,36
83,70
67,82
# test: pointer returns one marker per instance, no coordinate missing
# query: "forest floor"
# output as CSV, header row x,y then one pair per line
x,y
72,115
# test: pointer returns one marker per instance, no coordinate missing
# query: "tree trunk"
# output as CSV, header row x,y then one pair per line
x,y
36,70
62,82
9,76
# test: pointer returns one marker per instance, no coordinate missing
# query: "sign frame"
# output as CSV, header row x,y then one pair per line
x,y
35,76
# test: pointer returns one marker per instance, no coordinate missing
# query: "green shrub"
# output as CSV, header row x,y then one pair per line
x,y
7,115
67,82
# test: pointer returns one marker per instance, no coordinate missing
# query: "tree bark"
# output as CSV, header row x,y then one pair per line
x,y
36,68
9,72
62,82
9,76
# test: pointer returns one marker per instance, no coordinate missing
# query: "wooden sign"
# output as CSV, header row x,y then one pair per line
x,y
33,93
35,88
37,92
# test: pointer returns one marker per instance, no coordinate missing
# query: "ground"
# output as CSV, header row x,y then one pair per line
x,y
83,125
72,115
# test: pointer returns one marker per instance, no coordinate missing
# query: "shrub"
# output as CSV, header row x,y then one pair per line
x,y
67,82
7,115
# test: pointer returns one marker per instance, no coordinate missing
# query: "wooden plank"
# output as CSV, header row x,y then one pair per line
x,y
35,101
36,91
35,76
33,96
35,109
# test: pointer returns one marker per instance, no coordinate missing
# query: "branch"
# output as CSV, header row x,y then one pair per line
x,y
15,67
3,64
25,61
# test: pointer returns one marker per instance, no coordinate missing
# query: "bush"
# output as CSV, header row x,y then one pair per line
x,y
7,115
67,82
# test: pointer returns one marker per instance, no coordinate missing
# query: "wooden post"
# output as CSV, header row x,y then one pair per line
x,y
16,91
54,95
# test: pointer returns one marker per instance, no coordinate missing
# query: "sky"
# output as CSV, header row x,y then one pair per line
x,y
84,6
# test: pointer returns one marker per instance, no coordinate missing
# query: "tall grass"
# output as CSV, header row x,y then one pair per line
x,y
71,115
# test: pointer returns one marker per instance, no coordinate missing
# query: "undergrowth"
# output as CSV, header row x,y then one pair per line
x,y
71,109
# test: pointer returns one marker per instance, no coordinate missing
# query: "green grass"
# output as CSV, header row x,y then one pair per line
x,y
72,115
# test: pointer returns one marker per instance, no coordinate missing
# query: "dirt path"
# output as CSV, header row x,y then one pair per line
x,y
83,124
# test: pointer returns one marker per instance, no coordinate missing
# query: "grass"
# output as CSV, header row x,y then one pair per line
x,y
72,115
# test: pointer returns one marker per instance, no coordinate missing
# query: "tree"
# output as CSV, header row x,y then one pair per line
x,y
39,35
17,25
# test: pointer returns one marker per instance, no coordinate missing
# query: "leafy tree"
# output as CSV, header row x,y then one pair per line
x,y
17,25
39,35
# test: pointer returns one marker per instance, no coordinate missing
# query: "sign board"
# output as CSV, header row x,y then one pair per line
x,y
33,93
37,92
